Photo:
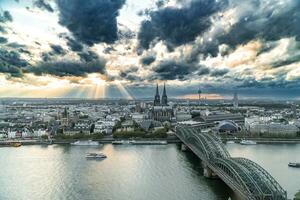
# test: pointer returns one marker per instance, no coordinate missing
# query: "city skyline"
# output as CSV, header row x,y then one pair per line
x,y
122,49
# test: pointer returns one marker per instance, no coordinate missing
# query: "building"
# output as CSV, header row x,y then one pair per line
x,y
227,127
212,117
235,100
268,127
161,110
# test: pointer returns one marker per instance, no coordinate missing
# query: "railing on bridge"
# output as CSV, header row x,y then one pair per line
x,y
244,176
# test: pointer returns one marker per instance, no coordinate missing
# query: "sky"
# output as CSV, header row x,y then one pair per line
x,y
123,48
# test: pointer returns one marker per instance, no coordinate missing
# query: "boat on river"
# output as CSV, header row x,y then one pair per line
x,y
85,143
95,156
118,142
140,142
294,164
247,142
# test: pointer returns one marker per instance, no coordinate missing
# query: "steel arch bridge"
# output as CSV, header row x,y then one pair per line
x,y
249,180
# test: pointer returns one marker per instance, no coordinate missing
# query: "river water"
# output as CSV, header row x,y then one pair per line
x,y
147,172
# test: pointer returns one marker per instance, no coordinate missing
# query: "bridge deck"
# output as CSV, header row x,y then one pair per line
x,y
242,175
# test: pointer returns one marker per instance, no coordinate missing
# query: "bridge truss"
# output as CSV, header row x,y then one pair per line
x,y
244,176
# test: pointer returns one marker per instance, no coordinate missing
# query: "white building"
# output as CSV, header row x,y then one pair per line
x,y
265,127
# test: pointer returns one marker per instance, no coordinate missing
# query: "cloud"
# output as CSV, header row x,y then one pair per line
x,y
172,70
219,72
11,63
91,22
88,56
3,40
57,50
5,16
244,21
2,29
74,45
15,45
177,26
147,60
43,5
130,74
68,68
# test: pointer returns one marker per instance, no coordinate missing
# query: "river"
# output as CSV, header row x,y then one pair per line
x,y
142,172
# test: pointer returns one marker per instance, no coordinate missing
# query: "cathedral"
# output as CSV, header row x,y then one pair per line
x,y
161,110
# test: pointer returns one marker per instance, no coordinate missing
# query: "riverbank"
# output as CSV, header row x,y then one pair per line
x,y
263,140
171,139
104,140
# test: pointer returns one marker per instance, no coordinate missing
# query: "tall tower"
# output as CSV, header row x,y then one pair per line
x,y
164,98
235,100
199,95
157,97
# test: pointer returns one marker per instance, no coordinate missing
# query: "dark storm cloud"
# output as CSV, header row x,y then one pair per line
x,y
88,56
177,26
74,45
91,21
46,57
5,16
57,50
219,72
68,68
203,71
43,5
270,25
272,83
11,63
266,20
130,74
3,40
147,60
171,70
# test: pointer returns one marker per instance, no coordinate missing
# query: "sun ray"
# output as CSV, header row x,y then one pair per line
x,y
123,90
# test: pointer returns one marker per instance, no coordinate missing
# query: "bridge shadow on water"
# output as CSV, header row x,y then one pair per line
x,y
222,191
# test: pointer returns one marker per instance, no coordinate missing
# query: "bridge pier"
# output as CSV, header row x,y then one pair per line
x,y
184,147
207,172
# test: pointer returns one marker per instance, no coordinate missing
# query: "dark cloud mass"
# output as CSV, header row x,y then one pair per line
x,y
88,56
5,16
57,50
43,5
177,26
3,40
68,68
11,63
171,70
74,45
269,24
130,74
91,21
147,60
219,72
267,20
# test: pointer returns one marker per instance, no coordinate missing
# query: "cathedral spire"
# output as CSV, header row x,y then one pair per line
x,y
164,98
164,92
157,97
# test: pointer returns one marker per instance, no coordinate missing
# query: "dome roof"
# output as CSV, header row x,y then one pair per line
x,y
227,126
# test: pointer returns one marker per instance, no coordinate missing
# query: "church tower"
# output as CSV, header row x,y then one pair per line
x,y
157,97
164,98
